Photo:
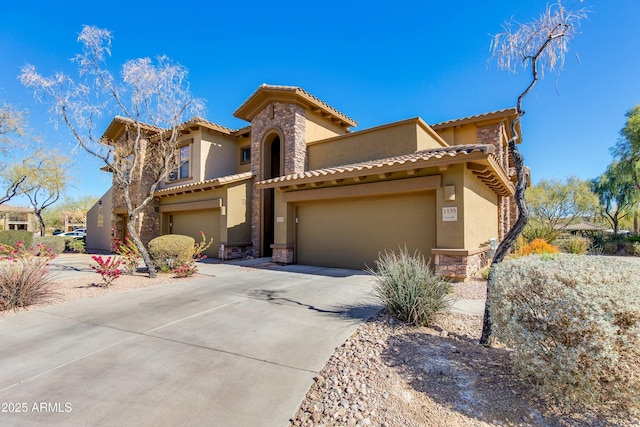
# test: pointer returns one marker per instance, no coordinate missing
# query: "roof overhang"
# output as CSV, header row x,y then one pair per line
x,y
479,158
209,184
507,114
267,94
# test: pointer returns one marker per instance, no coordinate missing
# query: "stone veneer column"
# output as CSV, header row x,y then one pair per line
x,y
148,224
289,121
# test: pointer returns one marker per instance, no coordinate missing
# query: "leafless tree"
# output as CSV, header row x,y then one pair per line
x,y
153,98
11,128
538,46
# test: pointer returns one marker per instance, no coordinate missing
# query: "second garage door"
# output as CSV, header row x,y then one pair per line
x,y
350,233
190,223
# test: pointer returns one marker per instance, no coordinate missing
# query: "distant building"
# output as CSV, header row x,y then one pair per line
x,y
16,218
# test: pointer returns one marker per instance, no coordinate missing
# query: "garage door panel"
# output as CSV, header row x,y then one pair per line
x,y
192,223
351,233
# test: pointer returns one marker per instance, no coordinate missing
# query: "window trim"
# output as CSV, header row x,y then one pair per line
x,y
178,166
242,151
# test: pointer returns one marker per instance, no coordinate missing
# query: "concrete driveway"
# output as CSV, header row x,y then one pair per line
x,y
239,347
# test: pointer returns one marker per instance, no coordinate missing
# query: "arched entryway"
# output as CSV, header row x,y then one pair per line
x,y
271,168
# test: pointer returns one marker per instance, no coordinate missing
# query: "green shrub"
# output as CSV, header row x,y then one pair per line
x,y
171,250
75,245
55,243
576,245
408,287
574,325
12,237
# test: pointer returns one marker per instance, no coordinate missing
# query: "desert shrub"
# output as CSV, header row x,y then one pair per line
x,y
537,246
24,277
576,245
12,237
537,230
171,250
574,325
408,288
610,248
55,243
75,245
636,249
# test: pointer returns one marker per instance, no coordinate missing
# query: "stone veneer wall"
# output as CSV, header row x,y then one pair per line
x,y
495,134
148,224
233,251
289,120
461,267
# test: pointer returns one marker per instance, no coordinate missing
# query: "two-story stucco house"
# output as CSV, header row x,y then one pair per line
x,y
299,186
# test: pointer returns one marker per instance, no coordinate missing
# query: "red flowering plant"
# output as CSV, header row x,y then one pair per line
x,y
129,253
108,268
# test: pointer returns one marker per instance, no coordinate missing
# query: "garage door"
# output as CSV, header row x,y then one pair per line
x,y
350,233
190,223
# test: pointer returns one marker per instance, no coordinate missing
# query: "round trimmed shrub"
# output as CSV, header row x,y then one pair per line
x,y
171,250
573,323
11,237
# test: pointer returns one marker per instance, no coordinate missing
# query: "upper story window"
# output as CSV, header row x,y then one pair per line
x,y
245,155
182,171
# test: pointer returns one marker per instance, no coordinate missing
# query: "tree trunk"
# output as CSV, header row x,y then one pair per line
x,y
510,238
43,227
131,228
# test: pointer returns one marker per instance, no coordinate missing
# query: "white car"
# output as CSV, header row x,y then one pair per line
x,y
75,234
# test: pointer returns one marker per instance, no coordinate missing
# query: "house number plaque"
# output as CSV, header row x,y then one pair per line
x,y
450,214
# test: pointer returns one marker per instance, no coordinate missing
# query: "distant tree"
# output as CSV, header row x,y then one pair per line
x,y
617,192
12,124
627,149
45,182
559,203
153,97
73,210
539,45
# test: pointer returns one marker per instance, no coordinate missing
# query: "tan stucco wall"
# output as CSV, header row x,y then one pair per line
x,y
376,143
99,237
219,155
459,135
238,213
450,234
191,223
482,222
318,127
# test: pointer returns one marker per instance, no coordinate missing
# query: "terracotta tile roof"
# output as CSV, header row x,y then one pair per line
x,y
206,123
480,117
205,185
378,166
582,227
246,112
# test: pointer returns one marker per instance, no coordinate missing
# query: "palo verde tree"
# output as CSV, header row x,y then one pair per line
x,y
537,46
152,94
45,182
558,203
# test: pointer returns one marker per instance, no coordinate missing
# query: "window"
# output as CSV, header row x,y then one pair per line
x,y
245,156
184,157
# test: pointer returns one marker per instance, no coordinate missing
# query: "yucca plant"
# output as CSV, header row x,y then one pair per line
x,y
408,287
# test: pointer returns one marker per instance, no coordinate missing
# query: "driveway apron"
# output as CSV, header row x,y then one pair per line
x,y
237,347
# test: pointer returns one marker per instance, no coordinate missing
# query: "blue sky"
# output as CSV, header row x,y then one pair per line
x,y
377,62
